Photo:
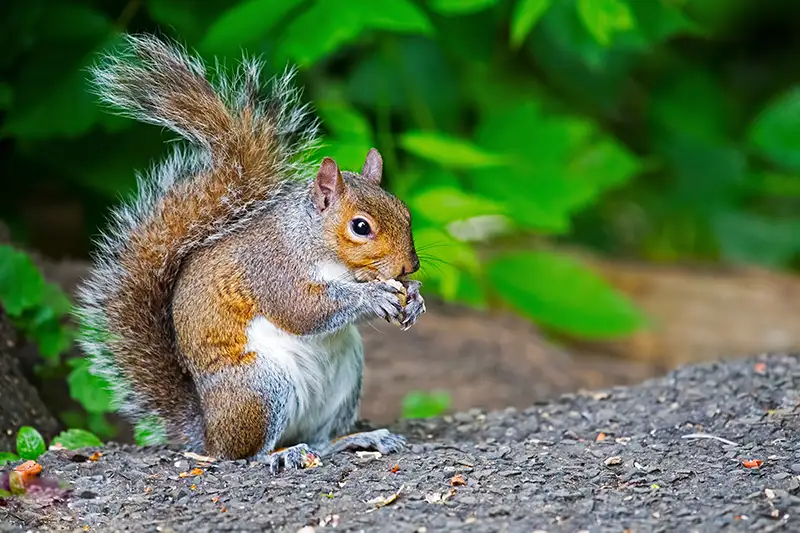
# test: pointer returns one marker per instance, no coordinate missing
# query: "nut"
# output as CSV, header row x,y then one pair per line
x,y
399,286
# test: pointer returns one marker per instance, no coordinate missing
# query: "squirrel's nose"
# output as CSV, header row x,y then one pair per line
x,y
410,266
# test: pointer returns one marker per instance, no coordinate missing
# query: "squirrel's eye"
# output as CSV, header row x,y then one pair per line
x,y
360,227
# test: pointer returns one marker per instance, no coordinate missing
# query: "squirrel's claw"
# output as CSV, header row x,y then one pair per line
x,y
294,457
386,302
415,306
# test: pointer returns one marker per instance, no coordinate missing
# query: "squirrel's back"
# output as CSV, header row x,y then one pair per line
x,y
243,146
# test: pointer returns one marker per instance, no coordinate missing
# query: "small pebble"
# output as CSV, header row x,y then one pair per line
x,y
462,417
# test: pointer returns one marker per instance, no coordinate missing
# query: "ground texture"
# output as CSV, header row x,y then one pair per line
x,y
611,460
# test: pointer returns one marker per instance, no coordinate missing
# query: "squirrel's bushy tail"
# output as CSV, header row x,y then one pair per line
x,y
243,146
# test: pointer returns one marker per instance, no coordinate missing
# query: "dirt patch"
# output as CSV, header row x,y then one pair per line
x,y
487,360
706,448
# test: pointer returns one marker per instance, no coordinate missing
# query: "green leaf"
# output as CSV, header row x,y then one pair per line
x,y
675,109
89,390
331,24
349,154
321,30
448,151
244,24
450,253
705,173
583,71
418,404
74,439
51,338
443,205
559,292
73,418
21,284
7,457
411,76
56,299
399,16
775,133
662,19
343,120
30,443
526,14
351,134
460,7
45,327
598,168
604,18
558,165
448,266
16,483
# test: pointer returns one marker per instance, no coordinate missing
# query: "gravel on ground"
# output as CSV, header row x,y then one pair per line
x,y
711,447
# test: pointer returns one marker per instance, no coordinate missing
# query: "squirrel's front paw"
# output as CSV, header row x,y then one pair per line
x,y
384,299
415,304
294,457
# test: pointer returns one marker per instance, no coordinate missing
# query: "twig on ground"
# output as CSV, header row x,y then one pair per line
x,y
707,436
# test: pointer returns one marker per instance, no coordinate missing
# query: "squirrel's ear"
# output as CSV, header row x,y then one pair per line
x,y
373,167
328,185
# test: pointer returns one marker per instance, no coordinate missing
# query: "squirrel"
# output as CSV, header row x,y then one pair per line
x,y
222,301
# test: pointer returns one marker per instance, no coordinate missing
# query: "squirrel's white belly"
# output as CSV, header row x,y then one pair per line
x,y
322,370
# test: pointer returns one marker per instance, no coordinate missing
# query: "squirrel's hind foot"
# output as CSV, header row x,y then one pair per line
x,y
380,440
294,457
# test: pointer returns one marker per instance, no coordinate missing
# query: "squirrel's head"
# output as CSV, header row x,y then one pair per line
x,y
368,228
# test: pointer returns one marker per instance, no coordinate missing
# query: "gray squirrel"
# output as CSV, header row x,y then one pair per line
x,y
223,300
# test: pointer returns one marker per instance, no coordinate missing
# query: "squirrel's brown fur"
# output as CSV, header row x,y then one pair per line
x,y
241,155
224,301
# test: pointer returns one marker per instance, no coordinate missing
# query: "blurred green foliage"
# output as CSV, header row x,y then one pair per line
x,y
663,130
421,404
39,310
35,307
